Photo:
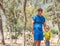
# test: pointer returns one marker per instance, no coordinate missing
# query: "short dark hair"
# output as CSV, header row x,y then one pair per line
x,y
40,9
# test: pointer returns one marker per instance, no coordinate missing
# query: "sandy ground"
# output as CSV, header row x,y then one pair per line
x,y
20,42
42,44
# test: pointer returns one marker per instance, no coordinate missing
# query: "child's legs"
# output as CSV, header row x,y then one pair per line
x,y
47,43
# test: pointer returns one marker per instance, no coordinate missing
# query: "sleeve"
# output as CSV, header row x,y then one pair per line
x,y
34,18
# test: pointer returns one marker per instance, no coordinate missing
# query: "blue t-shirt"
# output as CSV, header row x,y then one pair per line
x,y
38,22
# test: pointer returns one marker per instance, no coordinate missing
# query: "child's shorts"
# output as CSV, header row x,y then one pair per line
x,y
47,43
38,36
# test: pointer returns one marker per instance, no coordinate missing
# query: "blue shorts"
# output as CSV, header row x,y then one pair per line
x,y
47,43
38,36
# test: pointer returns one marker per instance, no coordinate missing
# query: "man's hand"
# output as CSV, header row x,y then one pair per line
x,y
32,32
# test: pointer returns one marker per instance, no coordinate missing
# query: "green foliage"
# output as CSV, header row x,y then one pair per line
x,y
46,15
14,14
54,31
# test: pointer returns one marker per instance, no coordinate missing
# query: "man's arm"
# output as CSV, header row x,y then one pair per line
x,y
32,26
44,24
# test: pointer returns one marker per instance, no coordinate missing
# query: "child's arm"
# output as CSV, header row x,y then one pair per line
x,y
49,34
45,37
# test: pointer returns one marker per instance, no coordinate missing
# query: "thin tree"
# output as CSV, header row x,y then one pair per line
x,y
3,9
1,27
1,30
25,18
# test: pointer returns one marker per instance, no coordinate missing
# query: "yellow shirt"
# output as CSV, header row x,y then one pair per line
x,y
47,35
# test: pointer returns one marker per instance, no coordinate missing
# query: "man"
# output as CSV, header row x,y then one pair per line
x,y
37,23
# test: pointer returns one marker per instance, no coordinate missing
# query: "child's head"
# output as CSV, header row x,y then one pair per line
x,y
47,28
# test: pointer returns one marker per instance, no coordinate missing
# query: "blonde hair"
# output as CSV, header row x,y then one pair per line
x,y
47,27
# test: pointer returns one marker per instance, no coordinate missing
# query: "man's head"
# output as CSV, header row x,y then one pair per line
x,y
40,10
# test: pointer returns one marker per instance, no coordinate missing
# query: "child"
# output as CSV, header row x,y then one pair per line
x,y
47,36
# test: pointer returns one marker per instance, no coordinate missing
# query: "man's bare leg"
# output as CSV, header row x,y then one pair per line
x,y
35,42
38,43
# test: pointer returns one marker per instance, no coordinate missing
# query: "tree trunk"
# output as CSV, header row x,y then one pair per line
x,y
25,18
10,32
59,29
1,29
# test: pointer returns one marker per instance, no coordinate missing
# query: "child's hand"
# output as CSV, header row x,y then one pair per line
x,y
45,41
